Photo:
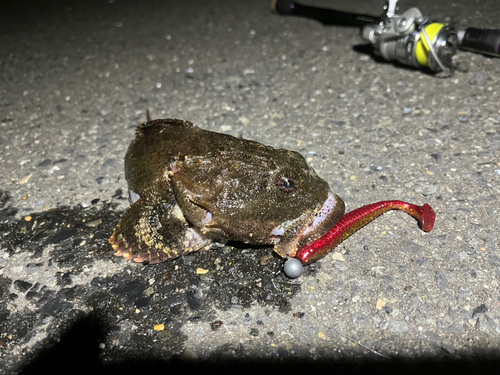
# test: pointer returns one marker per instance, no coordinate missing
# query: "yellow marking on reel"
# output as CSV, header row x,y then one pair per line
x,y
422,49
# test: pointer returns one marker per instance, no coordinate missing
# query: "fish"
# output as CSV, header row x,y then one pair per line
x,y
191,189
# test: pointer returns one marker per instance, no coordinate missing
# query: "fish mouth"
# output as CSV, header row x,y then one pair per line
x,y
293,234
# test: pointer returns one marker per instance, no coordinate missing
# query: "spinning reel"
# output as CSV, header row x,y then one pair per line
x,y
409,38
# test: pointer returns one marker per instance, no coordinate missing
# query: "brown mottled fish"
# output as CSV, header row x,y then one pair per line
x,y
190,188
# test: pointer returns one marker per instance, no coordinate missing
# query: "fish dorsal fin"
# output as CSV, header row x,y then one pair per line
x,y
164,123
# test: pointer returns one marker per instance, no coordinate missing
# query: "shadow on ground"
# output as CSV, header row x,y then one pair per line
x,y
78,352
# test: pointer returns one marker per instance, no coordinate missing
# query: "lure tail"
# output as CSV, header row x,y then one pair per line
x,y
355,220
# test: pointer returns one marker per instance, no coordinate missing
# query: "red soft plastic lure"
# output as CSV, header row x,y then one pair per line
x,y
354,220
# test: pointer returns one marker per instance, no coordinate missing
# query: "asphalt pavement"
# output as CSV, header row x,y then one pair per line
x,y
76,78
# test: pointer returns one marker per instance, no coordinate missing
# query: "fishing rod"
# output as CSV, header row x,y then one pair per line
x,y
409,38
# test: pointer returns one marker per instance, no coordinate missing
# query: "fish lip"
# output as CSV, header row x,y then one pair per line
x,y
325,218
322,213
293,234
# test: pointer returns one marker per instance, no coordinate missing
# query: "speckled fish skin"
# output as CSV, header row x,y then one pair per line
x,y
191,188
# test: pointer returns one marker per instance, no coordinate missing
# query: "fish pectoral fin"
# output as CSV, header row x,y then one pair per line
x,y
155,231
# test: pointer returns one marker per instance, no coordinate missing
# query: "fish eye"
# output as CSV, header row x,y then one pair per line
x,y
288,184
